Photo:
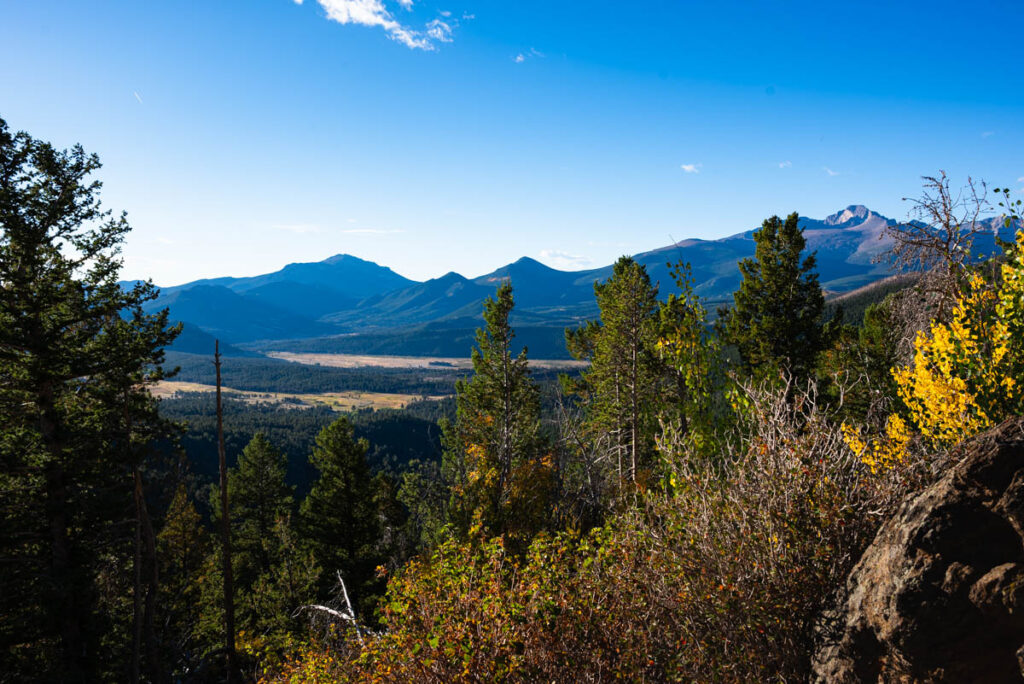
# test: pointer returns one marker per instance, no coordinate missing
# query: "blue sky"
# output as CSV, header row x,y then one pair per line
x,y
433,136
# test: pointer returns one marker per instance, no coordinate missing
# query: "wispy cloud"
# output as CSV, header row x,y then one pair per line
x,y
829,171
374,13
529,54
440,31
785,164
691,168
564,260
987,134
137,96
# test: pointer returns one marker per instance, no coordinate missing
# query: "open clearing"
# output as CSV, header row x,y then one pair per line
x,y
428,362
337,401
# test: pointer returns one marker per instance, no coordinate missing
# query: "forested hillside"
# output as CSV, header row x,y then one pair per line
x,y
347,305
683,508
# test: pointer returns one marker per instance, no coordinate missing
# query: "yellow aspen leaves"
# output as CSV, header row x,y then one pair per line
x,y
965,375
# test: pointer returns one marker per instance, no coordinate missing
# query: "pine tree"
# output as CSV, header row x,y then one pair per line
x,y
259,497
623,387
776,321
339,517
183,545
495,457
77,354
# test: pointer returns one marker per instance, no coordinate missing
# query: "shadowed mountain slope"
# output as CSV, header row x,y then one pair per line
x,y
344,295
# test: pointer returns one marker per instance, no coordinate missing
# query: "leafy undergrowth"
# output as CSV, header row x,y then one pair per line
x,y
722,578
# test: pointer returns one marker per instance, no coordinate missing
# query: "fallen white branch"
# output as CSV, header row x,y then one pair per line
x,y
349,616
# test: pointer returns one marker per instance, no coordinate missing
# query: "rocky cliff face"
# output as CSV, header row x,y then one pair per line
x,y
939,594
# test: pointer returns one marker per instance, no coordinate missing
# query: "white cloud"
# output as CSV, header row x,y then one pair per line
x,y
830,171
137,96
445,13
691,168
785,164
1021,179
373,13
523,56
558,259
298,2
439,31
466,16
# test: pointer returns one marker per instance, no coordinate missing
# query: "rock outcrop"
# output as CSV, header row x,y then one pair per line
x,y
939,594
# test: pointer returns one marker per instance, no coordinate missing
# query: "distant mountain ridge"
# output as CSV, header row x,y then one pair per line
x,y
347,296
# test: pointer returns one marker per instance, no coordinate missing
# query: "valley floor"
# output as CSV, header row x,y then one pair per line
x,y
337,401
374,361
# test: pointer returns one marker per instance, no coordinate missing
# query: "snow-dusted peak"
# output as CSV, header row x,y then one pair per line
x,y
854,212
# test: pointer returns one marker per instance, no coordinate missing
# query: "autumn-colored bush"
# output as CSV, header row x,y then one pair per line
x,y
722,578
965,373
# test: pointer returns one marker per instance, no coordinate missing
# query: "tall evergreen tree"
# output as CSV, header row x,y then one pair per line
x,y
259,497
622,388
273,575
495,457
183,544
776,317
77,353
339,517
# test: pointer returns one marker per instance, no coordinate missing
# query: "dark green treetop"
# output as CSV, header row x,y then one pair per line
x,y
494,453
77,354
339,517
622,388
775,321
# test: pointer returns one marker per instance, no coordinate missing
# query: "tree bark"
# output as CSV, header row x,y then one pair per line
x,y
225,531
65,604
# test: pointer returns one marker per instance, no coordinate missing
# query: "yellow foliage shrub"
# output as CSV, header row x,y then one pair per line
x,y
965,374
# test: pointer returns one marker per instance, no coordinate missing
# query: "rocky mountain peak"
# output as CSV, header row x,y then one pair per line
x,y
852,213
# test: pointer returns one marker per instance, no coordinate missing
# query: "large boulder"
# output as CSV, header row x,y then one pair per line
x,y
939,594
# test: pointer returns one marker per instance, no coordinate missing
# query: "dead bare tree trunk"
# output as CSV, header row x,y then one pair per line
x,y
225,531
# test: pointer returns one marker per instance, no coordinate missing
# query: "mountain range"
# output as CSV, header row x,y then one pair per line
x,y
346,304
